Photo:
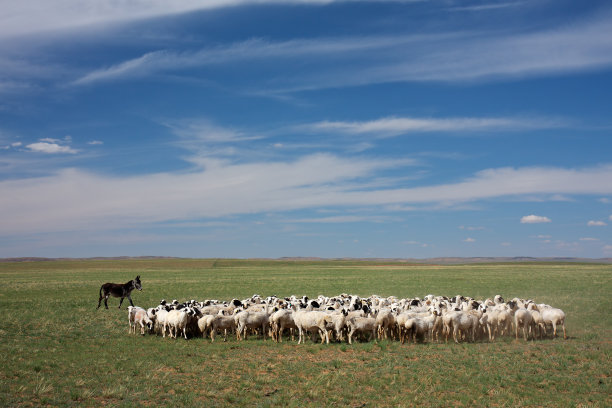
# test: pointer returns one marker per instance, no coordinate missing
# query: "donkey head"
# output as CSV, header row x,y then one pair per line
x,y
137,284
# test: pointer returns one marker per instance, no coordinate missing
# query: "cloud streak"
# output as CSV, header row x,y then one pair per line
x,y
39,16
394,126
76,200
351,61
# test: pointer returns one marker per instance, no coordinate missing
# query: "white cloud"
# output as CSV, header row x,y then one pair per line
x,y
534,219
95,143
74,199
588,239
50,148
596,224
469,240
607,249
544,236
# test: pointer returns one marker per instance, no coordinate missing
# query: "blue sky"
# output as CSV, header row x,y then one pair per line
x,y
233,128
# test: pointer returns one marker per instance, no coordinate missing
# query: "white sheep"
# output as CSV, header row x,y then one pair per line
x,y
385,323
179,320
308,321
280,320
205,323
522,320
465,322
337,324
361,325
138,316
250,320
553,316
221,322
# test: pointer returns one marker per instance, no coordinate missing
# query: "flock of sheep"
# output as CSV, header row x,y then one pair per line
x,y
348,317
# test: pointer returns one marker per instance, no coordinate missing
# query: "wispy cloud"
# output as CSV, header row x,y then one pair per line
x,y
256,49
36,16
487,7
204,130
74,199
394,126
342,219
596,224
350,61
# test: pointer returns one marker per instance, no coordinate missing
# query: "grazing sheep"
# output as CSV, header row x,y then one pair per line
x,y
179,320
385,323
412,318
280,320
205,324
250,320
522,320
337,324
538,325
138,316
361,325
308,321
221,322
465,322
553,316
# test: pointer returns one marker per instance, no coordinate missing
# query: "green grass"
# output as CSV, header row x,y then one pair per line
x,y
56,349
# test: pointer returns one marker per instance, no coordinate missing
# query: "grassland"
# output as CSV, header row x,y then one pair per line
x,y
56,349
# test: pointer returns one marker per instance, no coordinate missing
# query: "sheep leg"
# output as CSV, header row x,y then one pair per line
x,y
516,329
564,334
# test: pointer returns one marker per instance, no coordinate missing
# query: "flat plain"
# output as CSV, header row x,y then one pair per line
x,y
56,349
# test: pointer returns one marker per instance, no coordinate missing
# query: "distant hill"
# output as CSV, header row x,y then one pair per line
x,y
460,260
439,261
116,258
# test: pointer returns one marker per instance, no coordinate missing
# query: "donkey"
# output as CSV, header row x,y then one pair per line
x,y
119,290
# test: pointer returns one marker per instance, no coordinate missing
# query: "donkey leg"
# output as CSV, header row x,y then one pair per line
x,y
130,299
106,301
100,299
120,302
